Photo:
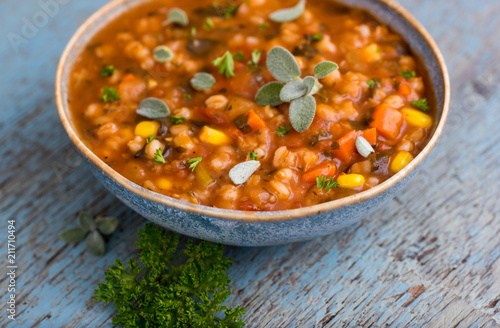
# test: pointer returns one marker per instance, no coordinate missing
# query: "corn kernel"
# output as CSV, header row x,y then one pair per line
x,y
164,183
350,181
214,137
417,118
147,128
399,161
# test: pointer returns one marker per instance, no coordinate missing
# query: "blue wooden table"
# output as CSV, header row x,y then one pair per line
x,y
430,258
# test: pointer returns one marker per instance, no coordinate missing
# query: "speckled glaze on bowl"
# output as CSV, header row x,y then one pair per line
x,y
242,228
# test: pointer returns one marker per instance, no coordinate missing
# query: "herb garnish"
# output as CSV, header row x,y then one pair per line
x,y
158,158
230,11
163,54
193,162
240,173
177,119
153,108
372,83
209,24
421,104
158,293
264,26
109,94
107,71
239,56
256,54
317,37
408,74
187,96
177,16
326,183
252,155
299,92
202,81
288,14
225,64
150,138
281,131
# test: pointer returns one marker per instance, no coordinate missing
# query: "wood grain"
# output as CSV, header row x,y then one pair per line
x,y
429,258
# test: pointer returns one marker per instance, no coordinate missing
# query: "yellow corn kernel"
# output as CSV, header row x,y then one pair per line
x,y
214,137
350,181
417,118
147,128
164,183
399,161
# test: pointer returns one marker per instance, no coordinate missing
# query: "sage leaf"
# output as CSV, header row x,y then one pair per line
x,y
324,68
309,82
95,243
302,111
269,94
72,235
153,108
202,81
240,173
282,64
293,90
107,225
163,54
288,14
363,146
86,222
177,16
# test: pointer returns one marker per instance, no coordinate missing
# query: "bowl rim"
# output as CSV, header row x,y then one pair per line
x,y
238,215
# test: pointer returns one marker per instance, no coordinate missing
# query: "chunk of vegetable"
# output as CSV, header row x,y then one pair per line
x,y
347,146
164,183
214,137
202,176
387,121
404,90
417,118
254,120
350,181
147,128
370,135
328,170
400,160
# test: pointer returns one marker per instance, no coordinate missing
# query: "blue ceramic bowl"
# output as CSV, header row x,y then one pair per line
x,y
242,228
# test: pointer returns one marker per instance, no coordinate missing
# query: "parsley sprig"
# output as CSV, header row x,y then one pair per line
x,y
194,162
225,63
282,130
159,293
253,155
109,94
421,104
408,74
159,159
107,71
326,183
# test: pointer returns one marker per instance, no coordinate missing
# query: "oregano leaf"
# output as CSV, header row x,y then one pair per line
x,y
153,108
309,82
240,173
269,94
288,14
282,64
86,222
324,68
163,54
302,111
177,16
202,81
95,243
107,225
72,235
293,90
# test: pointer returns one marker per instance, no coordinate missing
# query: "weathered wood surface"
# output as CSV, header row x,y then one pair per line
x,y
430,258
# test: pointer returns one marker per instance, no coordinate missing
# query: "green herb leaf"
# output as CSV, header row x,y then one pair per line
x,y
107,225
256,54
202,81
252,155
264,26
109,94
107,71
150,138
86,222
269,94
326,183
163,54
209,24
302,112
293,90
281,131
309,82
153,108
187,96
408,74
363,146
372,83
95,243
158,158
193,32
239,56
193,162
173,288
225,64
324,68
317,37
288,14
230,11
240,173
282,65
421,104
177,16
177,119
72,235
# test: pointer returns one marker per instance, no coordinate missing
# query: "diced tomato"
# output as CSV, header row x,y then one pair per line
x,y
327,170
387,121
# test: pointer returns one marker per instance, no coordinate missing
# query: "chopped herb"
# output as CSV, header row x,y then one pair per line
x,y
150,138
193,162
240,173
202,81
107,71
158,159
177,16
281,131
317,37
109,94
163,54
225,64
252,155
209,24
372,83
177,119
326,183
187,96
193,32
408,74
264,26
421,104
230,11
256,56
239,56
288,14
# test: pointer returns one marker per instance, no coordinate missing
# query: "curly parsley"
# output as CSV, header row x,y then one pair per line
x,y
421,104
107,71
109,94
225,63
193,162
326,183
158,159
408,74
281,131
252,155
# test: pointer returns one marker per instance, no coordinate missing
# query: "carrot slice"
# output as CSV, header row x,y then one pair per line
x,y
129,77
387,121
370,135
404,90
327,170
254,120
347,146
